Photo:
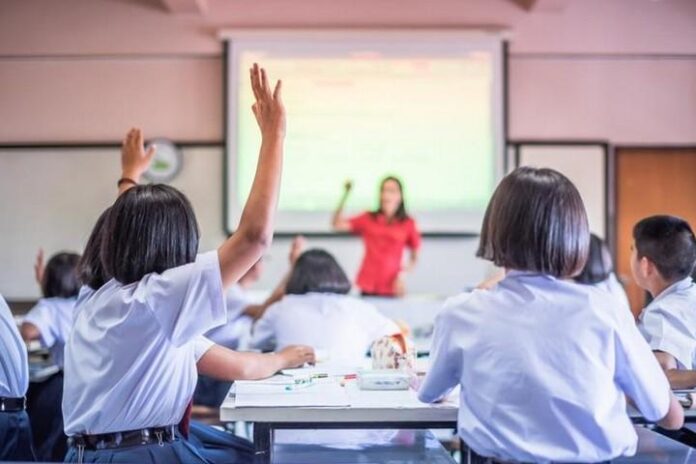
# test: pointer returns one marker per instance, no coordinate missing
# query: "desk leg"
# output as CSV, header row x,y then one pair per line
x,y
263,443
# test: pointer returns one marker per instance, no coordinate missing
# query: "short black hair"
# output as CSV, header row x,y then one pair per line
x,y
150,228
90,268
599,266
317,271
60,279
667,241
536,221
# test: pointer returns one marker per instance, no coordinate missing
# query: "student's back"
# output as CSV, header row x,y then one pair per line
x,y
544,363
341,326
538,357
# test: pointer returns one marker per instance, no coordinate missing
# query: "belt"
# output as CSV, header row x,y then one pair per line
x,y
13,404
123,439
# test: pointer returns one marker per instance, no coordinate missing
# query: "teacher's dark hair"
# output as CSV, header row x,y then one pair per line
x,y
60,279
151,228
536,221
317,271
90,267
401,214
598,266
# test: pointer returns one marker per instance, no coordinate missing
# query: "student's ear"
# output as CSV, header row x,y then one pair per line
x,y
648,268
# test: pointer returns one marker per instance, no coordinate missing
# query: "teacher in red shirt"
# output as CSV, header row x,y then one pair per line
x,y
385,233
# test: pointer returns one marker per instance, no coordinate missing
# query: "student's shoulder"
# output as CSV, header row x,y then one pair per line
x,y
464,303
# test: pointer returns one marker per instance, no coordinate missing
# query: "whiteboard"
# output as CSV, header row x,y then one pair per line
x,y
424,105
585,165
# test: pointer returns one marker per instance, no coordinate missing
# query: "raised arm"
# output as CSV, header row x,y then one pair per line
x,y
135,160
255,231
339,221
225,364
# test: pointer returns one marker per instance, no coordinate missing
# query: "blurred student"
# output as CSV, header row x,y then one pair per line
x,y
15,431
662,260
385,233
532,353
137,343
50,322
599,271
317,311
236,333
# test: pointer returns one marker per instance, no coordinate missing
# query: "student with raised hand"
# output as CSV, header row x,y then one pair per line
x,y
317,311
137,343
50,322
545,365
15,431
599,271
662,260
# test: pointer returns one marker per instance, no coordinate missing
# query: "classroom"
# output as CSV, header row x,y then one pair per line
x,y
322,232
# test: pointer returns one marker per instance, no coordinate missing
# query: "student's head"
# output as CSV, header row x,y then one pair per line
x,y
317,271
391,198
90,268
598,266
60,279
663,251
536,222
151,228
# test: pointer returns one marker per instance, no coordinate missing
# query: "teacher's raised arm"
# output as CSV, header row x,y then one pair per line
x,y
339,221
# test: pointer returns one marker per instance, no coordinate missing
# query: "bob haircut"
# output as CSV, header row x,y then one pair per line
x,y
60,278
90,266
317,271
667,241
150,228
599,266
536,222
401,214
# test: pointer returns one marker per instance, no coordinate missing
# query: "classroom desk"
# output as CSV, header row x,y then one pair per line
x,y
654,448
637,417
367,410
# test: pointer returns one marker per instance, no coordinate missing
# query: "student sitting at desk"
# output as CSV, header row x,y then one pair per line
x,y
137,343
662,259
50,322
15,431
544,364
317,312
599,271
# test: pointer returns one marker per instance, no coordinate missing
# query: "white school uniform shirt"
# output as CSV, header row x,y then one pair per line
x,y
612,285
343,327
130,361
236,332
543,366
668,323
53,318
14,368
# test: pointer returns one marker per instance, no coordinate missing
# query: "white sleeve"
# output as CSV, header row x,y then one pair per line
x,y
667,331
201,347
42,317
188,300
263,333
445,363
638,373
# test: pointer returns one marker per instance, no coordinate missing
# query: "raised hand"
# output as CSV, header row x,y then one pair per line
x,y
135,160
268,108
39,267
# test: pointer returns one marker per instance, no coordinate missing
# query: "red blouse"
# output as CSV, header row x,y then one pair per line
x,y
384,249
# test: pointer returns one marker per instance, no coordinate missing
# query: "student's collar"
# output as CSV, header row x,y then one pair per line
x,y
675,287
514,273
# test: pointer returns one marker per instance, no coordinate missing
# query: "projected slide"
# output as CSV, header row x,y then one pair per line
x,y
361,113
